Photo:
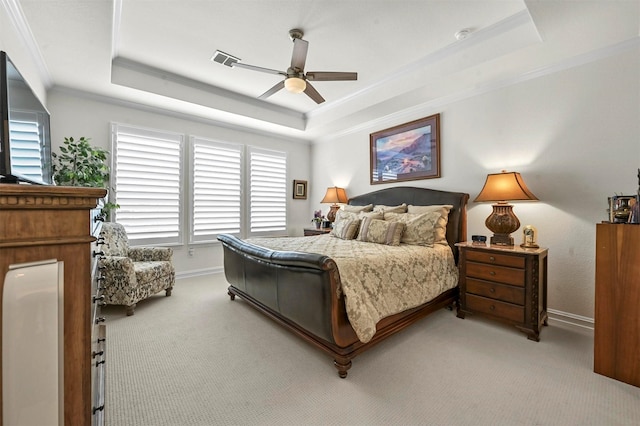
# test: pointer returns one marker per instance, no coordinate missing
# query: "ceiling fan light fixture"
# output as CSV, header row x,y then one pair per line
x,y
295,84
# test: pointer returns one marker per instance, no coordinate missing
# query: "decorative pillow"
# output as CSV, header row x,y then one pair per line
x,y
342,215
402,208
420,229
357,209
442,208
441,227
346,229
380,231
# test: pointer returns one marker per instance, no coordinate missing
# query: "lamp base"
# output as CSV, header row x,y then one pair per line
x,y
502,222
502,240
332,213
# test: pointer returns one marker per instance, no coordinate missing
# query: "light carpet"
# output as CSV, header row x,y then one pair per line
x,y
198,358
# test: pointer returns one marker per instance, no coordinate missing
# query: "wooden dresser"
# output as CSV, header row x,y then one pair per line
x,y
505,283
617,302
48,222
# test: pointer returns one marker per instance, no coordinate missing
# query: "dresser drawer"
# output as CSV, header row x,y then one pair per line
x,y
495,259
496,291
499,274
493,307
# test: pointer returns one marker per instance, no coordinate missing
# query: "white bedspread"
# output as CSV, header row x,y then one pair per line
x,y
378,280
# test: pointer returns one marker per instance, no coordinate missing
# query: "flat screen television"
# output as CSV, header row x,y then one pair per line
x,y
25,134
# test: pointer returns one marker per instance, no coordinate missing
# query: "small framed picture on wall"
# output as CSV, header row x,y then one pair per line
x,y
299,189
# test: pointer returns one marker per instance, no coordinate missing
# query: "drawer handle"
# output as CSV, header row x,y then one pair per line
x,y
492,308
491,258
492,290
492,272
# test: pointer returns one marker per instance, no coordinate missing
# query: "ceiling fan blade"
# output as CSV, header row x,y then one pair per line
x,y
299,57
331,76
255,68
274,89
313,93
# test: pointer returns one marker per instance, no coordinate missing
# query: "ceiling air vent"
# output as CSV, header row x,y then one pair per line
x,y
224,58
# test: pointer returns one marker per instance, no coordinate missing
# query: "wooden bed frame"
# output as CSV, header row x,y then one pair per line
x,y
298,290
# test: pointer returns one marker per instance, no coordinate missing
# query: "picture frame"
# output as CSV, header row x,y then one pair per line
x,y
410,151
299,189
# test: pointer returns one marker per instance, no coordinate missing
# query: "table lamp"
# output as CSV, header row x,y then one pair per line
x,y
334,195
503,187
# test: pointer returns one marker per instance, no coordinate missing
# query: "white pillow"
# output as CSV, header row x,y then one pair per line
x,y
357,209
402,208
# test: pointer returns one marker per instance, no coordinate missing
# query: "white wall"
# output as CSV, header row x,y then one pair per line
x,y
76,115
573,135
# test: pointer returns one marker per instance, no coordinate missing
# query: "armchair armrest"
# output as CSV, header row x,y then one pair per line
x,y
146,254
117,269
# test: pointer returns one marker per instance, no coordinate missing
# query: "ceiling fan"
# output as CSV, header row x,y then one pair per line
x,y
296,80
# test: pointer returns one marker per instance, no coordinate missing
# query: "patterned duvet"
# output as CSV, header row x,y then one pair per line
x,y
378,280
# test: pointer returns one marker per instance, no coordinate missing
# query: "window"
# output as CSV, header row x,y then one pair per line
x,y
147,184
216,196
268,191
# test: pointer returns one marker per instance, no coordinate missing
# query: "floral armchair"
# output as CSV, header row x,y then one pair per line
x,y
132,274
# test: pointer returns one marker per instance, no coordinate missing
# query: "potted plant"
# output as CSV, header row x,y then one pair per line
x,y
80,164
318,218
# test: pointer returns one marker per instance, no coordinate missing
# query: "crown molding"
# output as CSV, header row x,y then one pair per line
x,y
14,10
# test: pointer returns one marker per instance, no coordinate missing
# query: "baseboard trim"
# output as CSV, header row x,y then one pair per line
x,y
584,323
199,272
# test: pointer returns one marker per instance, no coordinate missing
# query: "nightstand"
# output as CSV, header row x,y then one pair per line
x,y
316,231
506,283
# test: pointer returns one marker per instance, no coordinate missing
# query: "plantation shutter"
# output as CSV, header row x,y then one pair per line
x,y
268,191
147,187
26,149
217,189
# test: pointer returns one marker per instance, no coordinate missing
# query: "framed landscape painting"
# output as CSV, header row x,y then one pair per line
x,y
410,151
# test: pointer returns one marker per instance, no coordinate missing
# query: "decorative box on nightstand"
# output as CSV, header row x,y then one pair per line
x,y
316,231
507,283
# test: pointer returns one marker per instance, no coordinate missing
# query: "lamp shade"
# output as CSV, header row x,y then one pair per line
x,y
335,195
295,85
505,186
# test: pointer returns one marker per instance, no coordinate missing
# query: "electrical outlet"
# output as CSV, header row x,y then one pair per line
x,y
191,251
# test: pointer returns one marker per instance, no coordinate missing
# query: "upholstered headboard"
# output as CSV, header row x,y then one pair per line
x,y
457,225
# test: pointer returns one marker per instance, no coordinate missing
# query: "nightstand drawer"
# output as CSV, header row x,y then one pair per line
x,y
493,307
500,274
495,259
492,290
